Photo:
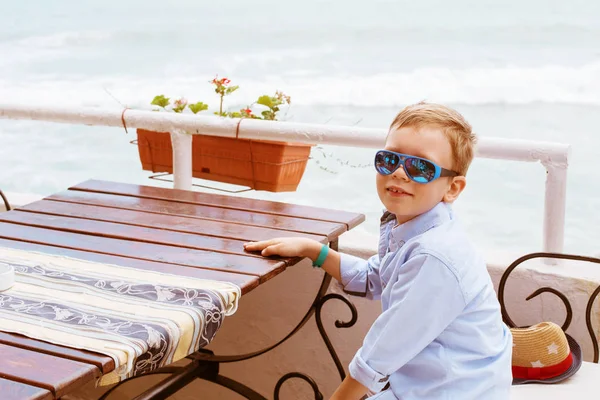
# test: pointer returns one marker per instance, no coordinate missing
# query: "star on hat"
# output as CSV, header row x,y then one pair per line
x,y
553,348
537,364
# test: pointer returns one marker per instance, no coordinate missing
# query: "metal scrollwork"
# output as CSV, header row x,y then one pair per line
x,y
561,296
338,324
588,320
564,299
311,382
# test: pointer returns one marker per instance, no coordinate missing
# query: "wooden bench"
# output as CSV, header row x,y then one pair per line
x,y
180,232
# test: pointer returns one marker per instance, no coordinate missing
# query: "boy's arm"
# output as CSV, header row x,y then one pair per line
x,y
424,300
350,389
358,276
361,277
331,265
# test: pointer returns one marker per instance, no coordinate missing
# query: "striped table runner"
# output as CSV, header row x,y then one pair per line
x,y
142,319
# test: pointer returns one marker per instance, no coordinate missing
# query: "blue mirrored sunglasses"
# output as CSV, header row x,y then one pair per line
x,y
420,170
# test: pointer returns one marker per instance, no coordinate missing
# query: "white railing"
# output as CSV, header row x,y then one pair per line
x,y
553,156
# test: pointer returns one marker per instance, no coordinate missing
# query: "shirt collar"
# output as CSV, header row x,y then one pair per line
x,y
440,213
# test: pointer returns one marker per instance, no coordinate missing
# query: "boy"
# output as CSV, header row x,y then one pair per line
x,y
440,335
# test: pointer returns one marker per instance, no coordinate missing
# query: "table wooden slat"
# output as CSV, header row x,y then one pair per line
x,y
329,229
263,268
199,198
58,375
245,282
128,232
104,363
11,390
162,221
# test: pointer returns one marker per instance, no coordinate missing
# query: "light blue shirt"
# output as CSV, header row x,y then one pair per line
x,y
440,335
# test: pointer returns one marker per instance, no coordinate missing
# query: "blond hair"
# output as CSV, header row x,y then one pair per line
x,y
457,130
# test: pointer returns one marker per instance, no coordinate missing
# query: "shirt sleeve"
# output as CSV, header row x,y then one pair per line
x,y
424,300
359,276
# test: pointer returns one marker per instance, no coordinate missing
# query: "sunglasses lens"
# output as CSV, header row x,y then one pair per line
x,y
386,163
419,170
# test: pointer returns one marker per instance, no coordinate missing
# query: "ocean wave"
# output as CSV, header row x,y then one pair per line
x,y
509,85
32,49
61,39
472,86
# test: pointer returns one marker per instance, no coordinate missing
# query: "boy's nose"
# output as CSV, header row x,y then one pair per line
x,y
400,174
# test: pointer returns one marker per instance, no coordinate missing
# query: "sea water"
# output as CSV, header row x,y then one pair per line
x,y
515,69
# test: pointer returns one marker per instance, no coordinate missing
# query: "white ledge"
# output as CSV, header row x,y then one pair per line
x,y
555,154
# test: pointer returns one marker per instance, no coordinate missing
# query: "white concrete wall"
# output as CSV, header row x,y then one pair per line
x,y
268,313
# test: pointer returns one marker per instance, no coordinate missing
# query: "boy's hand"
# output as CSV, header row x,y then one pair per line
x,y
298,247
286,247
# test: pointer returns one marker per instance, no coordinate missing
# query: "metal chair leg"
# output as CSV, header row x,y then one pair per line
x,y
6,203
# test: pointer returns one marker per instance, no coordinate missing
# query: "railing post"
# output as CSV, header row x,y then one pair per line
x,y
182,159
554,209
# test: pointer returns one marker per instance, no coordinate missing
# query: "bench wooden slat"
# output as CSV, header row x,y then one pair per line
x,y
128,232
162,221
199,198
11,390
245,282
283,223
55,374
261,267
104,363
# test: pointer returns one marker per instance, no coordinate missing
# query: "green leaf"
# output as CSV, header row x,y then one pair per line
x,y
231,89
160,101
199,106
265,101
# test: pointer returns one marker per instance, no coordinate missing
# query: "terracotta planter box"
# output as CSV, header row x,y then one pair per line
x,y
260,165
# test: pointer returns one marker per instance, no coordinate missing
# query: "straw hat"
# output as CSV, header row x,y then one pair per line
x,y
543,353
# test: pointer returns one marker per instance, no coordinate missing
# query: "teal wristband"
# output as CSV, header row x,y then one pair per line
x,y
322,256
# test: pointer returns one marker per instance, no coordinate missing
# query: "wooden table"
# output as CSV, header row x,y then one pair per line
x,y
180,232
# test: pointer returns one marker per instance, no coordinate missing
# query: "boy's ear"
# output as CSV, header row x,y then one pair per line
x,y
457,185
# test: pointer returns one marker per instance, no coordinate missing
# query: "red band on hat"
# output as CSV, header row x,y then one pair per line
x,y
544,372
